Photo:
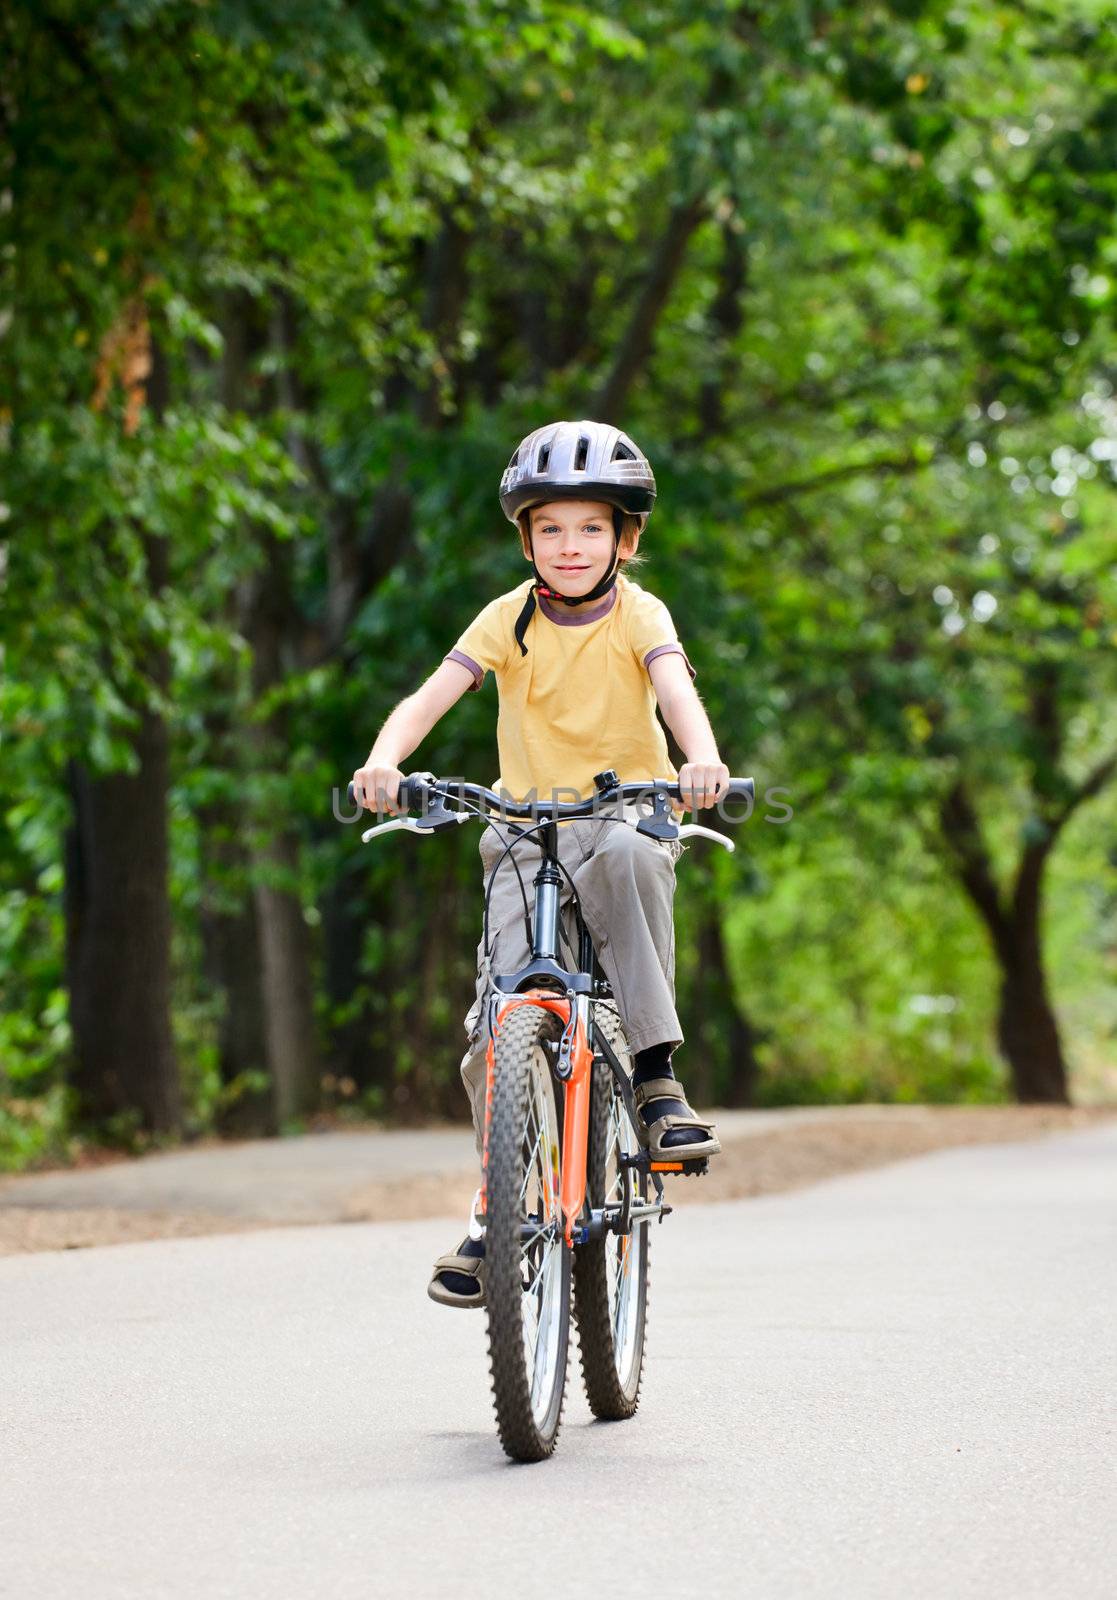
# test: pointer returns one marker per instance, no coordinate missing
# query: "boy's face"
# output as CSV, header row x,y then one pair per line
x,y
573,543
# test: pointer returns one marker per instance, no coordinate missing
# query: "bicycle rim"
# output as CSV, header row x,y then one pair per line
x,y
625,1254
611,1271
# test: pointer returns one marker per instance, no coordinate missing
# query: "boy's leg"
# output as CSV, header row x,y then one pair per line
x,y
627,888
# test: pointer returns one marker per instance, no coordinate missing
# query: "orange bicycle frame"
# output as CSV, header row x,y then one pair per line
x,y
576,1106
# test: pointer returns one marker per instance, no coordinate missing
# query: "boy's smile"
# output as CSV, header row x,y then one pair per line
x,y
572,541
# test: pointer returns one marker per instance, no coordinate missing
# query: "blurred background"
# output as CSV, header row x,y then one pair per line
x,y
284,285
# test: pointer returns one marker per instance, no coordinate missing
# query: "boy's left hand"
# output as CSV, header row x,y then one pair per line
x,y
706,781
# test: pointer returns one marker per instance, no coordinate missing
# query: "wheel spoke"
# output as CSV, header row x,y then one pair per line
x,y
540,1233
529,1158
530,1169
549,1311
534,1282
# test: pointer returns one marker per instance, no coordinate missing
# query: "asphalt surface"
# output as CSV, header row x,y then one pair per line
x,y
895,1384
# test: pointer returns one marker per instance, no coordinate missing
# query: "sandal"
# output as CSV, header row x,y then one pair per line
x,y
651,1133
465,1267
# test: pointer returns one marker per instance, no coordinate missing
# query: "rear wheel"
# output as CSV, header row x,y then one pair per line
x,y
611,1273
527,1264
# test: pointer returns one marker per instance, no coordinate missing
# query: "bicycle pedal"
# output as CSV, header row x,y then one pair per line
x,y
688,1169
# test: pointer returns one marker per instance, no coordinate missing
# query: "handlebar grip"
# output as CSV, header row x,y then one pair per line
x,y
740,789
411,792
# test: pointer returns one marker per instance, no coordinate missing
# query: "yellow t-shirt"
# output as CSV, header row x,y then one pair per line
x,y
581,700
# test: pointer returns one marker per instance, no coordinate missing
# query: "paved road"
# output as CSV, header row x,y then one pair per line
x,y
897,1384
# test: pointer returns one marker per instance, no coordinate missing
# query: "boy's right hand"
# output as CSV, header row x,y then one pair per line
x,y
377,788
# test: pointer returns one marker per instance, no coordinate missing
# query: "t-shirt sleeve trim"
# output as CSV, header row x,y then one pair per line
x,y
670,649
467,661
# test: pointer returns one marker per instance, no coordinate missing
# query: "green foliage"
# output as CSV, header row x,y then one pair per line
x,y
365,247
35,1129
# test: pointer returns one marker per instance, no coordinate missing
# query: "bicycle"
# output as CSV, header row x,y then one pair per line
x,y
568,1189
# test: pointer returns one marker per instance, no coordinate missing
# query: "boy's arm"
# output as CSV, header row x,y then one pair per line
x,y
405,729
704,774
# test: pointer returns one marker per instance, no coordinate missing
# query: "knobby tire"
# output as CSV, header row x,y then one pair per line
x,y
611,1375
528,1432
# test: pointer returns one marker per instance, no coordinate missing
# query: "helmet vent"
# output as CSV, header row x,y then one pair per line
x,y
543,457
581,453
621,452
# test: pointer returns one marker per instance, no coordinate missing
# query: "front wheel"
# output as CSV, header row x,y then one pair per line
x,y
611,1272
527,1264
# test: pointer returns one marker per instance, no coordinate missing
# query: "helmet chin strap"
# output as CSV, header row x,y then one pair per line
x,y
599,589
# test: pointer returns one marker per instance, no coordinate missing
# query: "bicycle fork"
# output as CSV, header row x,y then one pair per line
x,y
574,1069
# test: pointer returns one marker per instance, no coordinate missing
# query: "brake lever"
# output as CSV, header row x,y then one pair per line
x,y
414,825
691,828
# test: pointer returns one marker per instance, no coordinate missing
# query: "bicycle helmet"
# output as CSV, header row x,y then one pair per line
x,y
577,461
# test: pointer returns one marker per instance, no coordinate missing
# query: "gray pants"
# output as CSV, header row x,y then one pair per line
x,y
626,885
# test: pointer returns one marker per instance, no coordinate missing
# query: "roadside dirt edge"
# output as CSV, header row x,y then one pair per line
x,y
849,1139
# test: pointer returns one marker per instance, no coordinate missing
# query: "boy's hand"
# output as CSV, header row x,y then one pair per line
x,y
705,781
377,788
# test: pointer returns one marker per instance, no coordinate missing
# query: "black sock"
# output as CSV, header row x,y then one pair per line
x,y
655,1062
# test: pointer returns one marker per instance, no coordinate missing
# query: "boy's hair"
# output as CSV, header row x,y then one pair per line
x,y
629,526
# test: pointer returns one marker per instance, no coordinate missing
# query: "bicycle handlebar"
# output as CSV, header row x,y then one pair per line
x,y
414,791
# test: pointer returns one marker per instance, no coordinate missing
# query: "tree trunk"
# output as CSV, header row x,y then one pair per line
x,y
1028,1035
1027,1030
446,285
427,1032
284,947
230,942
118,914
727,315
637,341
269,620
721,1062
343,928
118,926
284,943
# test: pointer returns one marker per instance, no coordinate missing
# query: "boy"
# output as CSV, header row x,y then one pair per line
x,y
582,655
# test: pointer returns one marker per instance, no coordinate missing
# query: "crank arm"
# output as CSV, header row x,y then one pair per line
x,y
610,1219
